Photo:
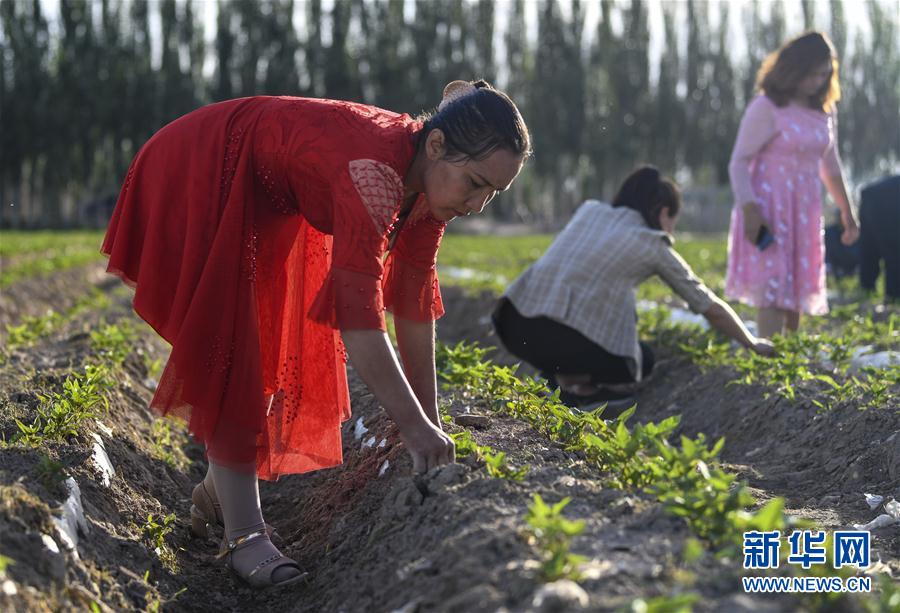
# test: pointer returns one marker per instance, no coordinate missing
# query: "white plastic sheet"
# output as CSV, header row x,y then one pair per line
x,y
873,500
72,520
879,360
359,428
881,521
893,509
101,459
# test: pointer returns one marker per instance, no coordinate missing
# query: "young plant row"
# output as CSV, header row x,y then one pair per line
x,y
69,414
33,328
686,478
807,366
43,266
17,243
495,461
63,415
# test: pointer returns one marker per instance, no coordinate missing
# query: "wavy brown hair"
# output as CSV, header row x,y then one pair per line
x,y
783,69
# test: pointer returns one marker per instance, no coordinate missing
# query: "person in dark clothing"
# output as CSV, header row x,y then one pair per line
x,y
879,215
840,260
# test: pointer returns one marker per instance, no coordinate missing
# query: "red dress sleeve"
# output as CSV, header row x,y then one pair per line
x,y
366,196
411,288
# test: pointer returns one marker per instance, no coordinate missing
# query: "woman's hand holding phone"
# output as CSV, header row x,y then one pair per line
x,y
753,220
755,228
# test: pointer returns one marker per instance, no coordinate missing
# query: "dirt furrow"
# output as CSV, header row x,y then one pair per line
x,y
375,538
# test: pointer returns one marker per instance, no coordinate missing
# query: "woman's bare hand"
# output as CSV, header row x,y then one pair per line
x,y
374,360
753,221
851,229
428,446
763,347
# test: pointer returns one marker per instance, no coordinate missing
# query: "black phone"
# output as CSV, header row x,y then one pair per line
x,y
764,238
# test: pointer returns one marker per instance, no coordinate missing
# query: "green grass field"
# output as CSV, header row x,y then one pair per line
x,y
493,262
36,254
474,262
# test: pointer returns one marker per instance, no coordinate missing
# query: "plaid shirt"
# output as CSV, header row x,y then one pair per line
x,y
588,277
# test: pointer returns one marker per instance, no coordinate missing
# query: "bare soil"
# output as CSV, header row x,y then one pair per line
x,y
376,539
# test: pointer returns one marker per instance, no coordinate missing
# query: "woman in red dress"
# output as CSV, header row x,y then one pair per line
x,y
254,233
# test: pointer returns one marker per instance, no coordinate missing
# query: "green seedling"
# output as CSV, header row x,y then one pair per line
x,y
499,468
113,342
63,415
156,529
32,328
164,446
154,366
495,462
50,472
681,603
553,533
465,444
5,562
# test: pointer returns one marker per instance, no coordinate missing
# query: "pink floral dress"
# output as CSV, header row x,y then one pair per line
x,y
777,161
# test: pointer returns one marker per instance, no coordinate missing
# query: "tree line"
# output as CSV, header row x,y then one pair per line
x,y
81,91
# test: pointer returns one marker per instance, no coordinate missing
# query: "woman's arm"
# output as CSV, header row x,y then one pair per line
x,y
723,318
832,175
672,268
374,359
413,295
757,128
416,343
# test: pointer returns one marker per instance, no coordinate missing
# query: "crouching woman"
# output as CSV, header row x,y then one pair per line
x,y
572,313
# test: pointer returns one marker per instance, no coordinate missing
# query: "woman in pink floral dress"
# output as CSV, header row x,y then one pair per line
x,y
786,145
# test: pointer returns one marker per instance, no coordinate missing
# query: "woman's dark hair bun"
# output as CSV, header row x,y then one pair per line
x,y
647,175
646,191
478,122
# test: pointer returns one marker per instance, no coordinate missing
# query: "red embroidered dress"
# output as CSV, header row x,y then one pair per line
x,y
253,230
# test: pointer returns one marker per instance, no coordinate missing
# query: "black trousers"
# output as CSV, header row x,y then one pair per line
x,y
879,235
553,348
